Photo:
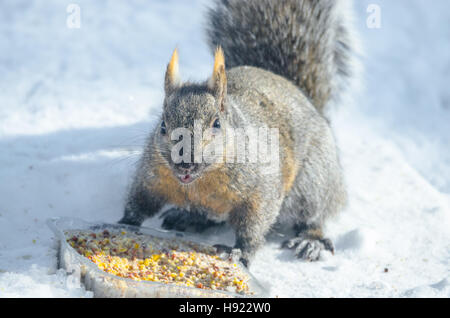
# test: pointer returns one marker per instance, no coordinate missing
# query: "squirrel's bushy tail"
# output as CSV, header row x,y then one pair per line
x,y
309,42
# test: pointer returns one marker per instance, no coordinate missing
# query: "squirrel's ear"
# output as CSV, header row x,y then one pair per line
x,y
218,81
172,78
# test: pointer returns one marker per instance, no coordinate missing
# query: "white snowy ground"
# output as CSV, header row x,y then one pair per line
x,y
76,104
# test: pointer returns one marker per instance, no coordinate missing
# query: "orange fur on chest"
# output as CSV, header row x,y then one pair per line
x,y
289,170
210,191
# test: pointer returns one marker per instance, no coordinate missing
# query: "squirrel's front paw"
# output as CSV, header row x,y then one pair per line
x,y
233,254
308,248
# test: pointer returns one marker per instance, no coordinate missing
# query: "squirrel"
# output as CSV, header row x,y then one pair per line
x,y
276,64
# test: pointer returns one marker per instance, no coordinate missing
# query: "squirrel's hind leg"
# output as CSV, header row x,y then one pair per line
x,y
309,242
182,220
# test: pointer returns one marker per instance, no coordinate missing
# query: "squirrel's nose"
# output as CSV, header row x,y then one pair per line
x,y
187,167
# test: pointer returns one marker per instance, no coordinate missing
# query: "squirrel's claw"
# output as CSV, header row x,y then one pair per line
x,y
221,248
329,246
233,254
308,249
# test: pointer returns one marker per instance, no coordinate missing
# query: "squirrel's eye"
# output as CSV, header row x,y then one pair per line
x,y
216,124
163,128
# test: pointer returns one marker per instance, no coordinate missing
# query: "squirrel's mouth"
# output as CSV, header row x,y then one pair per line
x,y
186,178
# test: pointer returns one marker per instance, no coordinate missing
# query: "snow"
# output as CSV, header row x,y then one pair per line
x,y
77,104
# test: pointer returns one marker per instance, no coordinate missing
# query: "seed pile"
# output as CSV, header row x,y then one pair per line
x,y
148,258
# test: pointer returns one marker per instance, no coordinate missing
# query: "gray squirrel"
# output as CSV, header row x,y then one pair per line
x,y
277,64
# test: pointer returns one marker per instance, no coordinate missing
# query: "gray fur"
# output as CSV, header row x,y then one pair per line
x,y
251,200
